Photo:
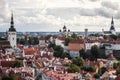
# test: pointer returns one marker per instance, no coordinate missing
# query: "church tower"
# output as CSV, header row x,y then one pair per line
x,y
12,33
112,28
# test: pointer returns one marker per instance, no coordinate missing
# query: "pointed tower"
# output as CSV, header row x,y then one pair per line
x,y
12,33
112,28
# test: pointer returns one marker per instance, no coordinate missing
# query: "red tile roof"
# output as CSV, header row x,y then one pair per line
x,y
41,38
7,63
78,41
20,46
51,50
4,43
61,37
29,51
111,57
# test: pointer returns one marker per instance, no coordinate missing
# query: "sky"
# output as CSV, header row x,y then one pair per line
x,y
52,15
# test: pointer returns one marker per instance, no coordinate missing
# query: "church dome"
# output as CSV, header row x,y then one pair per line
x,y
64,27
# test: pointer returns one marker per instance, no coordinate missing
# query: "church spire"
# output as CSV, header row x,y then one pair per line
x,y
12,21
12,24
112,25
112,22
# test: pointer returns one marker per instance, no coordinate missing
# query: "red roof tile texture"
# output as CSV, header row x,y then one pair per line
x,y
7,63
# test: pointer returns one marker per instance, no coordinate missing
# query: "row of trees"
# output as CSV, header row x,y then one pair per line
x,y
75,66
11,77
59,51
94,53
30,41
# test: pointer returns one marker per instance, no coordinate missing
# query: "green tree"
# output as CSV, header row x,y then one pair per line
x,y
73,68
113,37
116,65
78,62
18,40
51,45
22,41
105,36
95,51
90,69
66,55
35,40
83,54
58,51
67,40
75,36
17,64
47,37
97,76
7,78
102,70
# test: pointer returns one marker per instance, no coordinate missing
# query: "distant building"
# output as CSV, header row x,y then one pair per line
x,y
60,40
75,46
112,29
12,33
86,33
64,32
42,41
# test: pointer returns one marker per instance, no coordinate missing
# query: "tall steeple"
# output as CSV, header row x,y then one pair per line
x,y
112,25
12,34
112,22
12,21
12,24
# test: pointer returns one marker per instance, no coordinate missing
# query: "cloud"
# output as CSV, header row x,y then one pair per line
x,y
104,12
4,11
94,0
109,4
41,15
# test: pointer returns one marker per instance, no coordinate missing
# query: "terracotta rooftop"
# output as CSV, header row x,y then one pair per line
x,y
7,63
2,43
111,57
29,51
61,37
51,50
41,38
20,46
81,41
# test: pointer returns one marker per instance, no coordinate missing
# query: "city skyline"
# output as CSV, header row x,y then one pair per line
x,y
44,15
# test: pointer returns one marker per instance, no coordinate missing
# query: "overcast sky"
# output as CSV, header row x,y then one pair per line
x,y
51,15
